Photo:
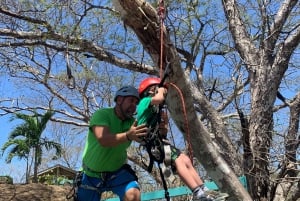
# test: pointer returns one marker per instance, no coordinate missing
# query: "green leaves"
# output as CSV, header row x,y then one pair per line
x,y
26,137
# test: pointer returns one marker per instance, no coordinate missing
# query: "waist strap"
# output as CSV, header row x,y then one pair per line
x,y
103,175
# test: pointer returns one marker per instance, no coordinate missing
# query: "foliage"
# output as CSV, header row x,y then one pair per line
x,y
27,136
6,179
51,179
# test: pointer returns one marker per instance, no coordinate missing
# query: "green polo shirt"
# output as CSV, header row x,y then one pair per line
x,y
99,158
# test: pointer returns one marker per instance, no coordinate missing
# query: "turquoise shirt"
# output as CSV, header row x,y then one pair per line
x,y
145,112
99,158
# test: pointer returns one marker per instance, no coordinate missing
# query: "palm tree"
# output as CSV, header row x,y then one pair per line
x,y
20,149
27,136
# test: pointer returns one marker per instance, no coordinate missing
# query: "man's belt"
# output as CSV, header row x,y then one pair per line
x,y
102,175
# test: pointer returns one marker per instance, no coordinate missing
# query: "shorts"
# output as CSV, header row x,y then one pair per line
x,y
119,182
174,153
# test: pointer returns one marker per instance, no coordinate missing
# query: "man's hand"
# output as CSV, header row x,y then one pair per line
x,y
136,133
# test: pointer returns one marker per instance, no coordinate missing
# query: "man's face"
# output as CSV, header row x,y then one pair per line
x,y
128,105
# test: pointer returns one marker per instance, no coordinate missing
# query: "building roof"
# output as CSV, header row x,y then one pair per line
x,y
59,170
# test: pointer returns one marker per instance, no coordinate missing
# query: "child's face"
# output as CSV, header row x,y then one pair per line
x,y
152,90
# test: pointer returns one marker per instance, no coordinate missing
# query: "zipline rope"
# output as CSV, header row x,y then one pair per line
x,y
162,15
186,125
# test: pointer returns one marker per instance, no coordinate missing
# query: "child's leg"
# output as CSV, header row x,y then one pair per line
x,y
187,172
191,178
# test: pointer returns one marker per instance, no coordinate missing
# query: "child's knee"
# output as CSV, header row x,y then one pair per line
x,y
133,194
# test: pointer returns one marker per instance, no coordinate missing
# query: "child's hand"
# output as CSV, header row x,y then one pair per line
x,y
163,91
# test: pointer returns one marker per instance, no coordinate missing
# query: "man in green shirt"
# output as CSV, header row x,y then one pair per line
x,y
104,167
151,97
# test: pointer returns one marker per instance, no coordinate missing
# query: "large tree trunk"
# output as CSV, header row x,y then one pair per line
x,y
261,128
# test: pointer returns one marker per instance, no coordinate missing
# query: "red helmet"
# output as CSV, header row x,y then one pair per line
x,y
147,83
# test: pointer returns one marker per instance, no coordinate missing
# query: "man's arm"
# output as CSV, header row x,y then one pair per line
x,y
108,139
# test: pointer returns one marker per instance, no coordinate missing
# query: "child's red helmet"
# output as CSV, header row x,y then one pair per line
x,y
147,83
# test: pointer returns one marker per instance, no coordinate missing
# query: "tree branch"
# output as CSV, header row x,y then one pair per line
x,y
241,37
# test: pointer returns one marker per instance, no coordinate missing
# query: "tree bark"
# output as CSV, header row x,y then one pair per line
x,y
266,66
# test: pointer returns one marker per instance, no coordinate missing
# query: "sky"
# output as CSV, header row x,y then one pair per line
x,y
17,168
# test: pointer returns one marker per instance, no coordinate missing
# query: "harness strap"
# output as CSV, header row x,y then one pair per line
x,y
88,187
168,153
102,175
151,162
164,183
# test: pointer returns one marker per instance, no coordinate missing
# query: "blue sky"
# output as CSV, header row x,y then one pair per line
x,y
17,168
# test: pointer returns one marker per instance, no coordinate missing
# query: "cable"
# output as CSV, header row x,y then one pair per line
x,y
186,125
161,13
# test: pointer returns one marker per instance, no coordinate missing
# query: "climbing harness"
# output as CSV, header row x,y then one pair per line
x,y
158,151
76,183
104,180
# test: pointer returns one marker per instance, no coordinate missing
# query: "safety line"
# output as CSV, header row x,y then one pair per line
x,y
187,130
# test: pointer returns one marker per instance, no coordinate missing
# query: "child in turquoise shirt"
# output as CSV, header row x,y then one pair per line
x,y
152,96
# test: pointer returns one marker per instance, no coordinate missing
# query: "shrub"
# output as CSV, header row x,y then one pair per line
x,y
6,180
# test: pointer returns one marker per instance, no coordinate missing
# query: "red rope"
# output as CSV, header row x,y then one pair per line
x,y
161,13
186,124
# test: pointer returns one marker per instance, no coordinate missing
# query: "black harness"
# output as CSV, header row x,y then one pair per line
x,y
155,146
154,142
104,176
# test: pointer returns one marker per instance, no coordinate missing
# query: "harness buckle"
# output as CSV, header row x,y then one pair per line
x,y
156,153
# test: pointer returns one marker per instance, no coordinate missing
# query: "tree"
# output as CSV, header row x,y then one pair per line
x,y
20,150
266,60
72,143
230,61
28,136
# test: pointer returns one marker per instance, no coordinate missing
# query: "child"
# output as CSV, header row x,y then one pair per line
x,y
151,97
